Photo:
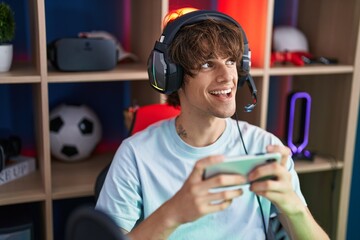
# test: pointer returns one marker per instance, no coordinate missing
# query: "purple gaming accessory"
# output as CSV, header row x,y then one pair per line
x,y
298,149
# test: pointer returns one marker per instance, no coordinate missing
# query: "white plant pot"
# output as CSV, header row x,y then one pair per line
x,y
6,56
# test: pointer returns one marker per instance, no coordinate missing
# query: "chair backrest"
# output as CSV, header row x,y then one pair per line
x,y
91,224
143,117
149,114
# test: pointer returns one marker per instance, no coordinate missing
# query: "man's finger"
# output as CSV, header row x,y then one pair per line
x,y
283,150
200,165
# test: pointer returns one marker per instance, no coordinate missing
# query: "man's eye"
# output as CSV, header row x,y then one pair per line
x,y
206,65
230,62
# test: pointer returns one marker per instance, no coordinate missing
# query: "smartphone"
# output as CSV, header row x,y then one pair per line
x,y
242,165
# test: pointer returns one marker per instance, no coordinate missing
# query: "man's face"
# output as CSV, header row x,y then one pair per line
x,y
211,92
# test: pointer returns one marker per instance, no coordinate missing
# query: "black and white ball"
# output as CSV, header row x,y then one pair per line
x,y
74,132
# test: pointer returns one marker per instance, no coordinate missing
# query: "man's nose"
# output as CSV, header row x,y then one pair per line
x,y
225,73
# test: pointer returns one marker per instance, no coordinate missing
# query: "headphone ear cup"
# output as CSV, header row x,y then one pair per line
x,y
241,81
164,76
243,74
156,67
174,78
242,78
245,64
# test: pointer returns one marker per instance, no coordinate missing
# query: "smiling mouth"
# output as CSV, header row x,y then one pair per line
x,y
226,93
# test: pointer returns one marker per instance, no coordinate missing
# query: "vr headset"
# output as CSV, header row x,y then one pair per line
x,y
83,54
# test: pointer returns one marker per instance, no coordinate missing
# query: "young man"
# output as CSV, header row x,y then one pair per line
x,y
155,187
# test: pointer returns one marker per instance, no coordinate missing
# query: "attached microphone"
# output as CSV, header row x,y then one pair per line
x,y
250,82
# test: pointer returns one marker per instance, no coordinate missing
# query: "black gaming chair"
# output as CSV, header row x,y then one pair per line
x,y
91,224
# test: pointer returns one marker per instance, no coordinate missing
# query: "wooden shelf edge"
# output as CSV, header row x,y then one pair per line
x,y
125,72
26,189
20,73
32,197
257,72
313,70
20,80
317,165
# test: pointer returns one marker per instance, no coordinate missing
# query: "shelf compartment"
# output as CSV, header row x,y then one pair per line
x,y
71,180
331,28
322,191
328,115
26,189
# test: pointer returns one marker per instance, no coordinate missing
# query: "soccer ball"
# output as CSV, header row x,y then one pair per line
x,y
74,132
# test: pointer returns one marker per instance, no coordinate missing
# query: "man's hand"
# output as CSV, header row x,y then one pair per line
x,y
278,190
293,213
194,200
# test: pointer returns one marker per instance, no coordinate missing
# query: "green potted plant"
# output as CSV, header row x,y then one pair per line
x,y
7,33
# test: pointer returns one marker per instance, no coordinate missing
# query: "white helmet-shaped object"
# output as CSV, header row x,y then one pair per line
x,y
287,38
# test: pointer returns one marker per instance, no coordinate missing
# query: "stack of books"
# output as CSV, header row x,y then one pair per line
x,y
17,167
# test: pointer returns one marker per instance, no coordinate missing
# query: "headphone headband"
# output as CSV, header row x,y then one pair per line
x,y
193,17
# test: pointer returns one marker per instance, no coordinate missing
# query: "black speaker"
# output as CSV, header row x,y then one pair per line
x,y
83,54
166,76
9,147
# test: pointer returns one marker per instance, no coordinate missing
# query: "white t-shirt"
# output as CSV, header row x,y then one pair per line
x,y
151,166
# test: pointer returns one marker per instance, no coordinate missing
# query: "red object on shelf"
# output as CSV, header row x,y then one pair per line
x,y
289,57
252,16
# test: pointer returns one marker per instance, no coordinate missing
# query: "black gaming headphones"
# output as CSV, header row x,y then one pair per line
x,y
166,76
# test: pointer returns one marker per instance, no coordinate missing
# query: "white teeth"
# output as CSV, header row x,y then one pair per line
x,y
221,92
